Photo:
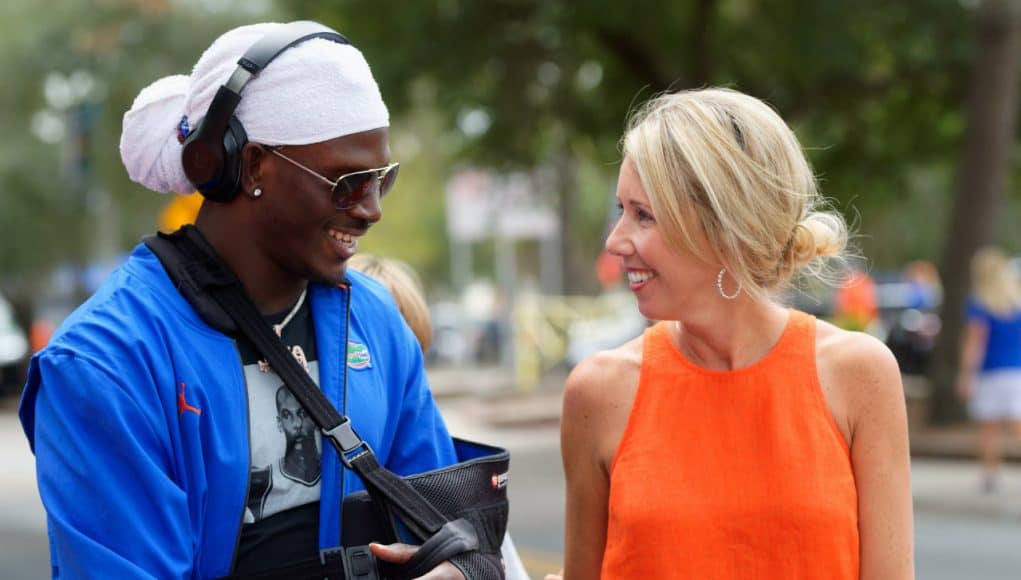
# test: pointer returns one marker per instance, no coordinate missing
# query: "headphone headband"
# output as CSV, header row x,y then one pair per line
x,y
211,155
270,46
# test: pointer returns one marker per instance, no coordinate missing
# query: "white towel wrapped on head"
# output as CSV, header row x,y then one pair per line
x,y
312,92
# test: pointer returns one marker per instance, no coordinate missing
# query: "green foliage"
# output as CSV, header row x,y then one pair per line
x,y
50,213
413,227
873,88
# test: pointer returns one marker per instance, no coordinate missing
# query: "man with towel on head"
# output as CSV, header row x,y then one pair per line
x,y
160,447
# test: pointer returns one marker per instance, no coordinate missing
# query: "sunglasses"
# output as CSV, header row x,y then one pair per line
x,y
352,188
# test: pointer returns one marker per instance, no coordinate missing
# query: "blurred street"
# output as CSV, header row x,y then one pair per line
x,y
960,533
24,552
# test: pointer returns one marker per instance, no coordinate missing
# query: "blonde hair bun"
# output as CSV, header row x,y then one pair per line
x,y
820,234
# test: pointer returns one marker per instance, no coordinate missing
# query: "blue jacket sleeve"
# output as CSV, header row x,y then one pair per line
x,y
421,441
106,475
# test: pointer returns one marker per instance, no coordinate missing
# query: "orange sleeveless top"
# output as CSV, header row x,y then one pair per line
x,y
732,474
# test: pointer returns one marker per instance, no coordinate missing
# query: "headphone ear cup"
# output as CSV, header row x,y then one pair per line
x,y
228,184
202,159
234,140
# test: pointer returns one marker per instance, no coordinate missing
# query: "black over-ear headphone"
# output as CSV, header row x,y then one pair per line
x,y
211,154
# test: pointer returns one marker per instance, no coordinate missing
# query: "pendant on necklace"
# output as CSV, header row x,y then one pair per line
x,y
296,351
263,363
299,355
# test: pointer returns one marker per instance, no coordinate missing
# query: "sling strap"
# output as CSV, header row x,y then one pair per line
x,y
355,563
203,273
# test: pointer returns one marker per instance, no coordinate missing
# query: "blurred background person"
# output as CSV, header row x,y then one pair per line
x,y
855,304
404,284
924,287
990,377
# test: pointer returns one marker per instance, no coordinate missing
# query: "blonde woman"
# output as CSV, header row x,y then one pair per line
x,y
990,377
737,438
403,283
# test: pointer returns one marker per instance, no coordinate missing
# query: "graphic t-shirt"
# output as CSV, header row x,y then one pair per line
x,y
281,521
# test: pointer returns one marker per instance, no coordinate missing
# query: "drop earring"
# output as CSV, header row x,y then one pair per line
x,y
719,286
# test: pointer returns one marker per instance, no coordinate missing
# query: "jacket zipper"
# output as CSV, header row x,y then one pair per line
x,y
248,466
343,408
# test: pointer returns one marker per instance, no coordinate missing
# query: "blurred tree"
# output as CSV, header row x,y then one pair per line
x,y
414,210
73,67
873,89
984,167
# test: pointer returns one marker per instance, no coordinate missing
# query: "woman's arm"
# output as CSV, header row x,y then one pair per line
x,y
597,403
870,380
588,484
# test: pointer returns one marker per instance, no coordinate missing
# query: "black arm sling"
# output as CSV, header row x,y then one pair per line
x,y
465,516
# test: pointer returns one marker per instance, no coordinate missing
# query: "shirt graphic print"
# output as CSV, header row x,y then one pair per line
x,y
286,446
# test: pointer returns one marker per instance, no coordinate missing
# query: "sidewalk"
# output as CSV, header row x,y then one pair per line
x,y
957,442
945,476
489,396
952,488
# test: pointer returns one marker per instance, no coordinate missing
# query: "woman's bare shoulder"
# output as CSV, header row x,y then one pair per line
x,y
856,372
861,355
606,374
598,397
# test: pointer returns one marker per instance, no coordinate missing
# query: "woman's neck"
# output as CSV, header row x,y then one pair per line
x,y
732,339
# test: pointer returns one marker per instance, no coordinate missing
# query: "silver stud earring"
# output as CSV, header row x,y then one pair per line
x,y
257,192
719,286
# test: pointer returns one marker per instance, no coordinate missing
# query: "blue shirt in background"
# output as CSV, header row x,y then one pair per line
x,y
1003,346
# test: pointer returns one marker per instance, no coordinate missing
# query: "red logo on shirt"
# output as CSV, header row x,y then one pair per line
x,y
182,404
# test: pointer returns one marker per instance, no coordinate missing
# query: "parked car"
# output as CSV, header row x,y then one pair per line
x,y
13,349
911,337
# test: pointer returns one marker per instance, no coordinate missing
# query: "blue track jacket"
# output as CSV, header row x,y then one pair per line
x,y
137,414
